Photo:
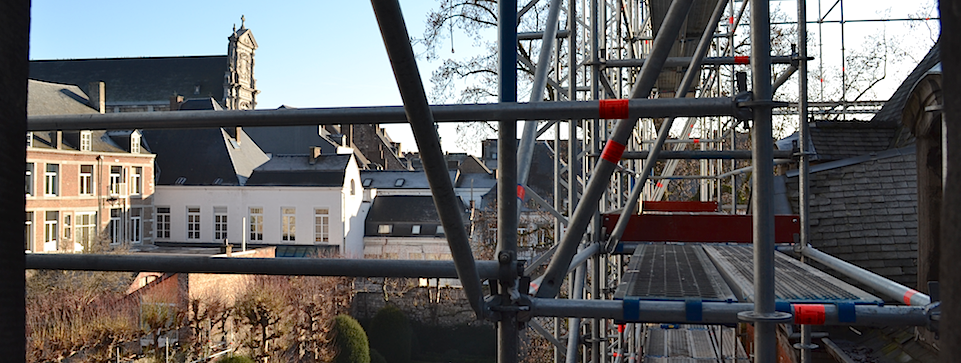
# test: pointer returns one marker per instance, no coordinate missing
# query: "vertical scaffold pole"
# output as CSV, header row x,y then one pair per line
x,y
601,175
14,42
764,317
950,273
507,327
804,177
396,40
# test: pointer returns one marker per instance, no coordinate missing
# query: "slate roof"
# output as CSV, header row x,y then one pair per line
x,y
129,81
864,211
199,104
203,156
388,179
404,208
291,139
296,170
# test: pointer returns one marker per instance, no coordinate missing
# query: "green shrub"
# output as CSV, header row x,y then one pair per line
x,y
236,359
375,357
390,334
351,341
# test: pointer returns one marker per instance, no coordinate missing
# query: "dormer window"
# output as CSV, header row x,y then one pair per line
x,y
415,229
197,89
440,230
399,183
135,143
30,139
367,182
384,228
85,140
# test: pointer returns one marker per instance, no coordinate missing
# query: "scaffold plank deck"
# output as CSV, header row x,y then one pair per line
x,y
673,272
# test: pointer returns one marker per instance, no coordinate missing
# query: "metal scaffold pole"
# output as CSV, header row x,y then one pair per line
x,y
14,43
394,31
804,175
764,316
507,215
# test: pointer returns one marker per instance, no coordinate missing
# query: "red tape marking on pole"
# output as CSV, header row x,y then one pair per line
x,y
742,59
613,109
521,192
809,314
612,151
908,295
697,141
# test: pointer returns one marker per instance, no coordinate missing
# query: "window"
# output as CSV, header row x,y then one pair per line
x,y
85,140
353,188
86,229
367,182
180,181
136,226
415,229
30,139
321,225
50,231
116,226
193,222
399,183
163,222
28,232
51,184
86,179
256,224
136,175
220,223
289,223
116,179
135,142
28,180
384,228
440,229
66,227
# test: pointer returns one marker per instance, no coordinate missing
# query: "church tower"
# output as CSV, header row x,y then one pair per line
x,y
240,87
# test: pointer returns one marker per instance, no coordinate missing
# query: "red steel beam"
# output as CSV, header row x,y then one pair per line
x,y
672,206
691,227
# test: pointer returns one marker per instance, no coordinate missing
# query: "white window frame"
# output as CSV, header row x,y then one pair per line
x,y
116,226
385,228
28,232
136,225
288,224
86,180
136,180
321,225
163,222
220,224
256,221
85,227
135,142
193,223
86,140
50,230
116,180
51,180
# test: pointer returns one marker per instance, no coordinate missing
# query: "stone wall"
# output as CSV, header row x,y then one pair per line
x,y
428,305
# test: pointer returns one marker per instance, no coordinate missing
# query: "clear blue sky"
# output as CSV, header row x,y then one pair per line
x,y
312,53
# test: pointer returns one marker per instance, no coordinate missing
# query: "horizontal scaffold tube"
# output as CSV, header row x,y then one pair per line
x,y
636,108
704,154
255,266
684,312
684,61
882,285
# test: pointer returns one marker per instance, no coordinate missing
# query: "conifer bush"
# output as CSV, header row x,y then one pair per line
x,y
351,341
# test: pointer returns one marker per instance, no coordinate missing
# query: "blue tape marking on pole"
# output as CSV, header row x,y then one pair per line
x,y
632,309
846,312
693,310
784,307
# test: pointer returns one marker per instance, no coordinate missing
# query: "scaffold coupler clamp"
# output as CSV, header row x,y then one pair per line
x,y
743,112
933,310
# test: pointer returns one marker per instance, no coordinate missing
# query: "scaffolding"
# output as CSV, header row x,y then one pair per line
x,y
628,64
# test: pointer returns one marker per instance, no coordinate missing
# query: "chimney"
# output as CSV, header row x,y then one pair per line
x,y
175,102
315,152
56,139
95,92
237,131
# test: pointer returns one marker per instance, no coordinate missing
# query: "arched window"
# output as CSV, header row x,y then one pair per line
x,y
353,190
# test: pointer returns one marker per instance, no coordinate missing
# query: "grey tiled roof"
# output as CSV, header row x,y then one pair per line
x,y
140,79
203,156
866,213
296,170
47,98
840,140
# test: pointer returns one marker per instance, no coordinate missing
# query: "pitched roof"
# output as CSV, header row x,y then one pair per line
x,y
197,104
48,98
291,139
402,208
296,170
129,81
397,179
203,156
